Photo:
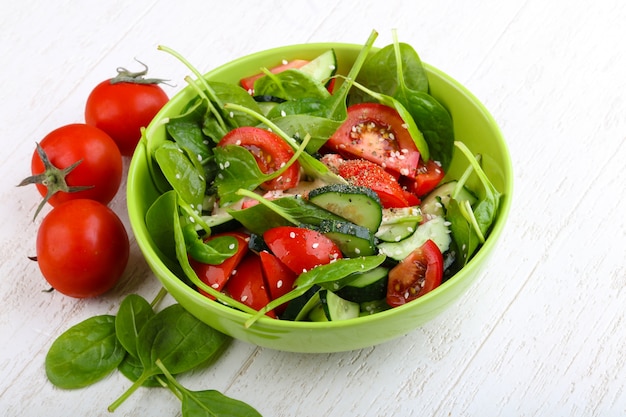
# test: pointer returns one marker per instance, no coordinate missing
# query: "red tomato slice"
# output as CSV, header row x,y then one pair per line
x,y
376,132
279,278
270,151
417,274
301,249
247,286
427,178
368,174
248,82
216,276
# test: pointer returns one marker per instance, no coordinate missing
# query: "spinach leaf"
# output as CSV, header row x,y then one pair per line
x,y
324,276
132,369
133,314
213,252
283,211
212,403
190,274
207,403
378,72
430,116
176,338
291,84
470,225
181,172
238,169
159,223
186,130
299,125
85,353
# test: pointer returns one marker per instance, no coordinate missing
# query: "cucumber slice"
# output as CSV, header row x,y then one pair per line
x,y
373,307
359,205
296,305
437,229
399,223
436,202
368,286
323,67
352,240
334,308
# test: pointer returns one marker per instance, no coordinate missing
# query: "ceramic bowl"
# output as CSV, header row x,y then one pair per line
x,y
473,125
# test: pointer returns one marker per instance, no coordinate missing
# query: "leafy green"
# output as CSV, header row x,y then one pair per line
x,y
176,338
213,252
291,84
283,211
133,314
181,172
207,403
470,224
324,276
85,353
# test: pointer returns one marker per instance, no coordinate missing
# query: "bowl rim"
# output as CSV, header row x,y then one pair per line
x,y
145,242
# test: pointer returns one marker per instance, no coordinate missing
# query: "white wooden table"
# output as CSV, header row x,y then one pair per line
x,y
542,333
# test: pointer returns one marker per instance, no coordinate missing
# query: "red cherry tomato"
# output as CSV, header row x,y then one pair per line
x,y
368,174
216,276
99,165
427,178
376,132
279,278
122,108
82,248
248,82
301,249
270,151
247,285
417,274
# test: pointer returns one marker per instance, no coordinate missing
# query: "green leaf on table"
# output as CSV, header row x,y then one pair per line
x,y
212,403
85,353
133,314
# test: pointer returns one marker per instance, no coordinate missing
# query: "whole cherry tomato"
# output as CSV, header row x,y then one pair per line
x,y
82,248
76,161
121,106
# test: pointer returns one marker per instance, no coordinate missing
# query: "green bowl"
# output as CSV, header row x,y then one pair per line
x,y
473,125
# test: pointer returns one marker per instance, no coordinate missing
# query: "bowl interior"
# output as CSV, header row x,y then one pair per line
x,y
473,125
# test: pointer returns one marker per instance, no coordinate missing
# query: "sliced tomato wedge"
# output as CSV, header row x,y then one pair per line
x,y
247,285
270,151
368,174
248,82
416,275
377,133
427,178
279,278
301,249
216,276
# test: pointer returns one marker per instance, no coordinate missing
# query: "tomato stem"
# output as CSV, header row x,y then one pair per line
x,y
53,178
126,76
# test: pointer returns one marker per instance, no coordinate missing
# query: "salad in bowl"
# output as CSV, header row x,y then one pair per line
x,y
319,197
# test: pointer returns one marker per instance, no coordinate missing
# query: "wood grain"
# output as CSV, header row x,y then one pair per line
x,y
542,331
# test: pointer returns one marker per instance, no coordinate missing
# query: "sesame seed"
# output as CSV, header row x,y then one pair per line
x,y
316,245
238,142
285,62
177,176
215,286
292,235
283,113
279,283
231,114
244,298
226,164
231,246
357,251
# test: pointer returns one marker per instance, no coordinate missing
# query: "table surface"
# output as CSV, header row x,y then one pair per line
x,y
541,333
